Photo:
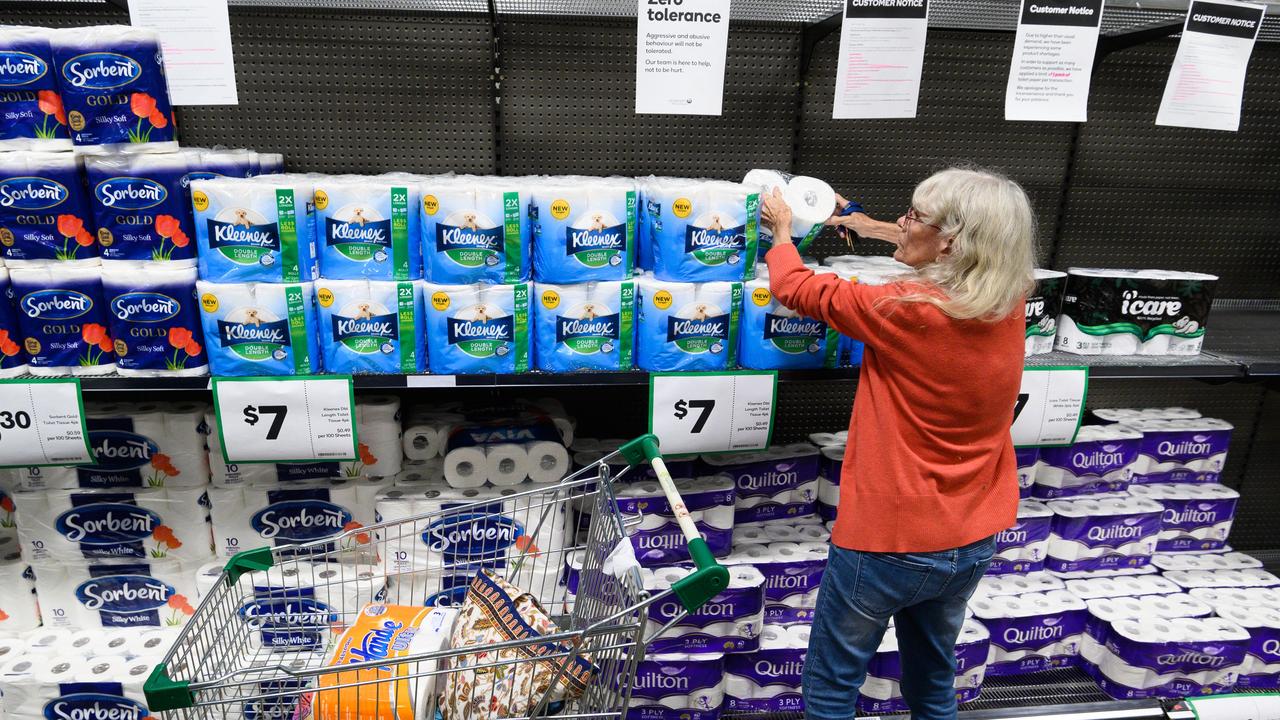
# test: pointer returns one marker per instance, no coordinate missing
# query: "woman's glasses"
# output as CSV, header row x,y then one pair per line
x,y
913,215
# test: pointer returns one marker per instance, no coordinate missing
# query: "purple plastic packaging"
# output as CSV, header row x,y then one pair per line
x,y
698,679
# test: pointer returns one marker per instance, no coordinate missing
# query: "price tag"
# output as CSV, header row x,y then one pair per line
x,y
42,423
712,412
1263,706
300,419
1050,405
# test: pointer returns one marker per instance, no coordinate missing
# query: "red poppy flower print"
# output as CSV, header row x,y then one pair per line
x,y
179,337
142,104
166,225
93,333
70,226
50,103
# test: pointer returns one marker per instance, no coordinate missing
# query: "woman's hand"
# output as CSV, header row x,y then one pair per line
x,y
777,214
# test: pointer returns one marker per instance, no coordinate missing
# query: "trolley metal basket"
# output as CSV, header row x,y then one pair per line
x,y
255,647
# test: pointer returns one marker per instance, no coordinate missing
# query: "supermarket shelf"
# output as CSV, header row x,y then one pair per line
x,y
1204,365
1250,337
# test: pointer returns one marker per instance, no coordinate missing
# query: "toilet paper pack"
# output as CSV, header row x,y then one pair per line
x,y
477,328
1134,312
155,321
730,622
768,680
31,112
58,686
658,539
792,573
1101,460
1197,516
1028,460
1221,598
142,206
1169,657
367,227
702,230
475,229
1044,304
150,523
687,326
13,352
779,483
1261,667
584,228
1205,561
1104,612
1031,632
830,468
776,337
1011,584
1225,579
677,686
64,320
255,229
259,328
1120,586
117,594
1181,450
1103,533
587,326
1122,415
302,512
44,210
113,84
18,607
811,200
881,693
1022,548
370,326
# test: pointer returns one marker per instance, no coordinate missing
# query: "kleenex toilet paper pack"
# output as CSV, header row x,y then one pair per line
x,y
477,328
475,229
255,229
117,594
583,228
44,210
677,686
370,326
259,328
730,622
1103,533
150,523
687,326
776,337
367,227
587,326
702,230
31,111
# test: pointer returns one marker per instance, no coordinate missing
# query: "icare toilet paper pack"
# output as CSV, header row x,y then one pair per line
x,y
1134,312
477,328
687,326
255,229
1043,306
45,214
587,326
702,230
367,227
260,328
475,229
32,116
583,228
142,206
371,326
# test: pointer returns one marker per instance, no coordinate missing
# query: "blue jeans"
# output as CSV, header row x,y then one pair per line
x,y
924,593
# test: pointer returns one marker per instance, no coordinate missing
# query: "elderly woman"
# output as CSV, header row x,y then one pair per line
x,y
929,473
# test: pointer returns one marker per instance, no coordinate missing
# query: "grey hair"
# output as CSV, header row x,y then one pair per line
x,y
990,267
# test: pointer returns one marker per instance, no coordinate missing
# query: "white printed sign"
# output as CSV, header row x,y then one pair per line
x,y
196,40
680,56
1206,84
42,423
1053,60
881,56
712,412
302,419
1050,405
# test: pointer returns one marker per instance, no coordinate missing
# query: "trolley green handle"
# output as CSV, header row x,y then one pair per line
x,y
696,588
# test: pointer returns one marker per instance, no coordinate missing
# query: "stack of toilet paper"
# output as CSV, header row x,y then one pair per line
x,y
1121,586
371,326
583,228
1004,585
1182,450
1134,312
730,622
1101,460
475,229
768,680
585,326
701,230
1103,533
1197,516
427,431
118,593
477,328
773,336
71,526
19,610
86,685
1232,579
1124,415
811,200
658,539
251,516
686,326
32,107
881,693
259,328
1031,632
780,483
774,532
1221,598
1044,304
1028,460
677,685
504,453
367,227
1103,612
1023,547
1154,656
830,468
255,230
792,573
1261,667
63,319
1205,561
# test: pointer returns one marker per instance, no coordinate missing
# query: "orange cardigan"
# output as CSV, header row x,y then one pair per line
x,y
929,464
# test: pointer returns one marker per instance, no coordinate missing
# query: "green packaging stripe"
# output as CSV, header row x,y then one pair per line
x,y
753,238
833,349
287,217
522,327
298,330
511,237
632,237
400,233
735,312
626,322
408,343
808,238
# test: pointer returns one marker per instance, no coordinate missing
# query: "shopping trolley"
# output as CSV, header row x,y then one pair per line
x,y
254,648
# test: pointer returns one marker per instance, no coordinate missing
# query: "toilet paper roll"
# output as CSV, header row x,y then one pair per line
x,y
367,228
294,513
259,328
151,523
11,648
117,594
370,326
49,216
63,318
27,690
812,201
466,235
584,228
130,114
477,328
155,321
142,208
506,464
1205,561
255,229
422,442
20,610
33,121
585,326
151,643
466,467
378,429
548,461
